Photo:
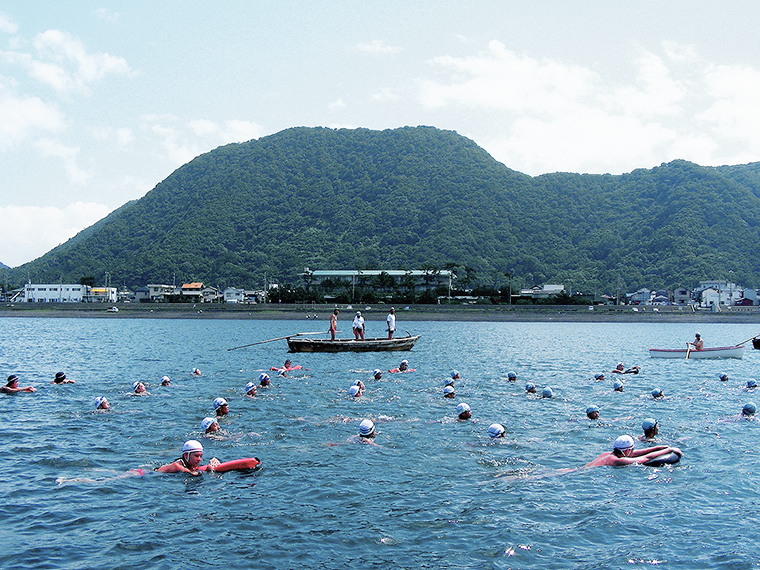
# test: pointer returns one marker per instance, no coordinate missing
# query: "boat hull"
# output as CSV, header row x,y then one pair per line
x,y
352,345
718,352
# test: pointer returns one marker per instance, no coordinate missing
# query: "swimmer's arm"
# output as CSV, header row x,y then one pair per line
x,y
648,450
660,450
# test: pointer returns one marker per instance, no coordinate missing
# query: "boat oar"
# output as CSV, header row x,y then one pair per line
x,y
745,341
274,339
688,350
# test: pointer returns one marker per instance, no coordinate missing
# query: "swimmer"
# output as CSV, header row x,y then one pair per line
x,y
288,364
651,429
511,376
547,392
60,378
751,384
530,388
617,386
209,425
464,411
366,433
448,392
282,373
620,369
749,410
354,391
455,375
101,403
139,387
165,381
264,380
192,454
403,366
598,376
360,384
196,372
448,382
658,394
496,431
11,387
250,389
221,407
623,453
723,377
592,412
377,374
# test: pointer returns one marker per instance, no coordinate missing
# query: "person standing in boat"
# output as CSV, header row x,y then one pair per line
x,y
390,320
358,326
333,324
698,343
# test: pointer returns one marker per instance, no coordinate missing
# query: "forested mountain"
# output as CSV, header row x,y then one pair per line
x,y
414,198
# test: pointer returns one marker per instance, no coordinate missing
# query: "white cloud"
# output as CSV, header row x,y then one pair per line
x,y
6,26
62,62
500,79
378,47
182,143
21,117
50,148
107,15
337,104
387,95
32,231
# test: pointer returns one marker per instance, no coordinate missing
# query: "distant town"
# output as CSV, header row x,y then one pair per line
x,y
711,295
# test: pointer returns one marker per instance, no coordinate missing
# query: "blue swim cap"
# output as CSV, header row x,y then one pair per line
x,y
454,373
648,424
723,377
591,409
751,383
657,393
530,387
249,385
511,375
617,384
547,393
749,409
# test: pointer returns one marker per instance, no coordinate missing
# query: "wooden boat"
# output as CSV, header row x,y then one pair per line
x,y
717,352
352,345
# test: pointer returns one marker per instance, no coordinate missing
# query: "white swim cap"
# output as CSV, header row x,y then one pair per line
x,y
206,423
462,407
249,386
165,379
135,384
97,401
354,390
405,362
623,442
219,402
191,445
496,430
366,427
376,371
263,376
547,392
448,390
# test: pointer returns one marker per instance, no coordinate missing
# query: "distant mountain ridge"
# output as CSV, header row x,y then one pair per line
x,y
418,197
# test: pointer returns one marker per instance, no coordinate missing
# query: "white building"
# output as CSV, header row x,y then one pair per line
x,y
55,293
234,295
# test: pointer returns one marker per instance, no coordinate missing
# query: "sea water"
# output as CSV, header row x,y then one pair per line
x,y
434,492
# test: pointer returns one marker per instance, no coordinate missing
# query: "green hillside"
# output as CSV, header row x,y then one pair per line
x,y
417,197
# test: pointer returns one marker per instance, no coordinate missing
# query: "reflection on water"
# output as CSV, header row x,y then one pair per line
x,y
434,492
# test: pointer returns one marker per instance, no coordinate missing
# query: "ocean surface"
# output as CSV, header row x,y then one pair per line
x,y
434,492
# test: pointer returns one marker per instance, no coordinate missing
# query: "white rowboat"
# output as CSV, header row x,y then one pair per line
x,y
718,352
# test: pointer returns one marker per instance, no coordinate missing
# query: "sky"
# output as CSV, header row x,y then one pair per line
x,y
101,101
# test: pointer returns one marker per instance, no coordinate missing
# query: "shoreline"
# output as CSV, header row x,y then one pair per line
x,y
411,313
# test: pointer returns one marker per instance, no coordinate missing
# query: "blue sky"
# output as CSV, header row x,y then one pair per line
x,y
100,101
